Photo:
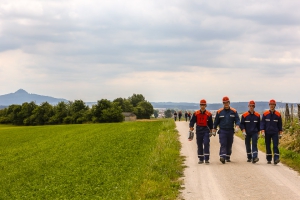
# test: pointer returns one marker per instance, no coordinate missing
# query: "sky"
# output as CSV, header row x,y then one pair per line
x,y
168,51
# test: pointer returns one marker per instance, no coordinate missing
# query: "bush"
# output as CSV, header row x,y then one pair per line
x,y
291,137
68,120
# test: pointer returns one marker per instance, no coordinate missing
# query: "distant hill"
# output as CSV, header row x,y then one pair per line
x,y
239,106
22,96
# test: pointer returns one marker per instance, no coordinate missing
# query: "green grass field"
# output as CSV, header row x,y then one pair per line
x,y
136,160
288,157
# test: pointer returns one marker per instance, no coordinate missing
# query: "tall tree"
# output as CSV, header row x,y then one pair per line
x,y
78,109
143,110
97,109
155,112
26,112
168,113
125,104
13,114
61,111
41,114
135,99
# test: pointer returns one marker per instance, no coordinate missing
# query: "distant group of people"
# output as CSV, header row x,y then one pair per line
x,y
227,122
187,115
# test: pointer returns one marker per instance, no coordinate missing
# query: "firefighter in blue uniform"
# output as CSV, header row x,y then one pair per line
x,y
271,129
204,125
226,118
250,126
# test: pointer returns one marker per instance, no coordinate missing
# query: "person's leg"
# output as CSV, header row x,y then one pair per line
x,y
223,145
230,136
254,145
199,138
268,147
275,148
248,147
206,141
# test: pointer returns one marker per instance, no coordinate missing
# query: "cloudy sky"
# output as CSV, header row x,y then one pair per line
x,y
179,50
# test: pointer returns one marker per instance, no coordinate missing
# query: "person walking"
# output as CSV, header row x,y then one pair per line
x,y
271,129
250,126
190,115
226,118
204,125
175,115
186,116
179,115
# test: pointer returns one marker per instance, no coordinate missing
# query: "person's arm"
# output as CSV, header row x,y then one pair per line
x,y
210,123
237,119
242,124
258,123
217,121
262,124
192,122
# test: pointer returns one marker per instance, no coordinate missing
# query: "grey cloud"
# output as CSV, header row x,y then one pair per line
x,y
139,42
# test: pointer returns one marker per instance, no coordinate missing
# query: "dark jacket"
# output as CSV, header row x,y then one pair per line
x,y
226,118
250,122
203,120
271,122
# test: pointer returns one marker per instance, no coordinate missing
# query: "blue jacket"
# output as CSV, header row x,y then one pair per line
x,y
271,122
250,122
226,118
203,121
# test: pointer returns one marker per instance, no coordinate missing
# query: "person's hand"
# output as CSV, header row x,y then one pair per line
x,y
262,134
236,129
191,135
213,132
279,136
191,128
210,134
244,133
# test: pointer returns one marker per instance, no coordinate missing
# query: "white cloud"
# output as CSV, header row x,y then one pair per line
x,y
168,51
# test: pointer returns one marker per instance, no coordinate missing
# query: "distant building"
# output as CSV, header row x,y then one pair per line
x,y
129,116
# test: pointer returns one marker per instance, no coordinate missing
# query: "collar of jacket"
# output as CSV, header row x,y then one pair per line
x,y
203,111
226,109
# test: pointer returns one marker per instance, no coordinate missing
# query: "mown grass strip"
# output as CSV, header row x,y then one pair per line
x,y
138,160
161,180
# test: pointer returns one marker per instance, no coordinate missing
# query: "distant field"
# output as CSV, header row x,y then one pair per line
x,y
136,160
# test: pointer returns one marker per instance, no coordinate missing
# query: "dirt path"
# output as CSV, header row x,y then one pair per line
x,y
236,180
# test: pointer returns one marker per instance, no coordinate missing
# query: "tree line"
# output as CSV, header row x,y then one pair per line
x,y
76,112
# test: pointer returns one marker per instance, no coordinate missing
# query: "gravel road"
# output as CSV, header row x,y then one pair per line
x,y
237,179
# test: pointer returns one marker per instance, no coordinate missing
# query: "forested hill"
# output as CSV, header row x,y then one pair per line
x,y
239,106
22,96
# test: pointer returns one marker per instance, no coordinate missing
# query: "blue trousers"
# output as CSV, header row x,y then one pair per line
x,y
203,141
275,139
251,137
226,140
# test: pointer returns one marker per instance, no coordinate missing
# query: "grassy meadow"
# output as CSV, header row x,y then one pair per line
x,y
288,157
130,160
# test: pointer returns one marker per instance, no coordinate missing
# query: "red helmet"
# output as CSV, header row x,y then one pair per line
x,y
251,103
202,101
272,101
225,99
